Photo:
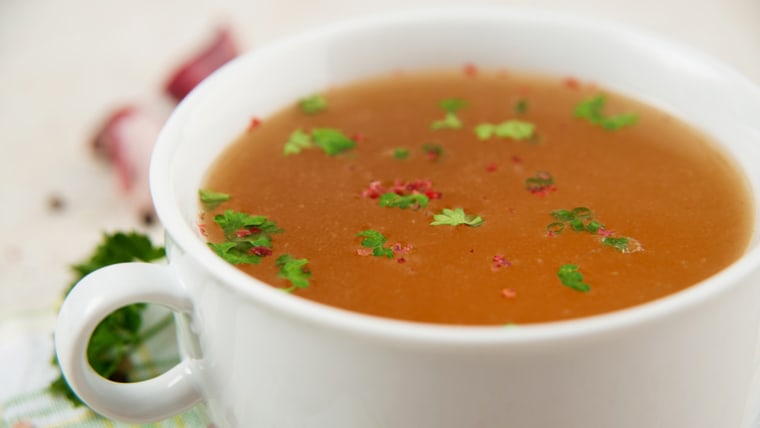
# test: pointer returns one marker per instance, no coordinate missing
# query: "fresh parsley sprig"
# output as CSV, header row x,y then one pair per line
x,y
248,238
393,200
331,141
450,120
294,270
120,334
376,241
456,217
312,104
570,277
591,110
514,129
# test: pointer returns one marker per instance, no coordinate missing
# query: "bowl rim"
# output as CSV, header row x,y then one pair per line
x,y
179,232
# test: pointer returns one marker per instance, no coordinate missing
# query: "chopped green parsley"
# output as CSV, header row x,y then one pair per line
x,y
514,129
211,199
376,241
570,277
456,217
293,270
312,104
331,141
247,237
591,110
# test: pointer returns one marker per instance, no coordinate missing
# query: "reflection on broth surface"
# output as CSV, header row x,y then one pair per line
x,y
475,198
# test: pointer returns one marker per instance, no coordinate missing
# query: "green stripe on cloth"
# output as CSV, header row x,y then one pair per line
x,y
43,410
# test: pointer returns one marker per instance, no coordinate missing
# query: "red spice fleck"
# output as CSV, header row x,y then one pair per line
x,y
509,293
551,234
400,249
261,251
470,70
499,261
571,82
255,122
364,251
517,159
492,167
359,138
543,190
401,260
242,233
402,188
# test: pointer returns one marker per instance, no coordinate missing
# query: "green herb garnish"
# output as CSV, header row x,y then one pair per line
x,y
452,105
450,120
514,129
293,270
312,104
401,153
211,199
120,334
376,241
570,277
521,106
331,141
433,151
456,217
591,110
298,141
539,183
247,237
393,200
621,243
578,219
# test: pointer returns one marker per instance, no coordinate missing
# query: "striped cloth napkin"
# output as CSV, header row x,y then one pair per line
x,y
26,349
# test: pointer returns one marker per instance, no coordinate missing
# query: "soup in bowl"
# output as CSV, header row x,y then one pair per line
x,y
429,219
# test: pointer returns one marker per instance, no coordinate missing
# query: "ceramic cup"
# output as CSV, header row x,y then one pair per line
x,y
256,357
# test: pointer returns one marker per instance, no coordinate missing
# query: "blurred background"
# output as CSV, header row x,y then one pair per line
x,y
66,66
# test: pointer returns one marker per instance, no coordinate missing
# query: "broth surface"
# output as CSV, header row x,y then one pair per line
x,y
680,201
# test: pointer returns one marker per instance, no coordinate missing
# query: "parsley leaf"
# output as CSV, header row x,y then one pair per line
x,y
569,276
119,335
298,141
401,153
456,217
450,121
312,104
521,106
514,129
293,270
591,110
247,237
579,219
332,141
392,200
211,199
451,105
375,240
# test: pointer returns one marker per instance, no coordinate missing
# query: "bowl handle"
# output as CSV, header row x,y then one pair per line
x,y
94,298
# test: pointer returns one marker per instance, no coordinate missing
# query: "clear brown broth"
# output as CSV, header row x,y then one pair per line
x,y
659,181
